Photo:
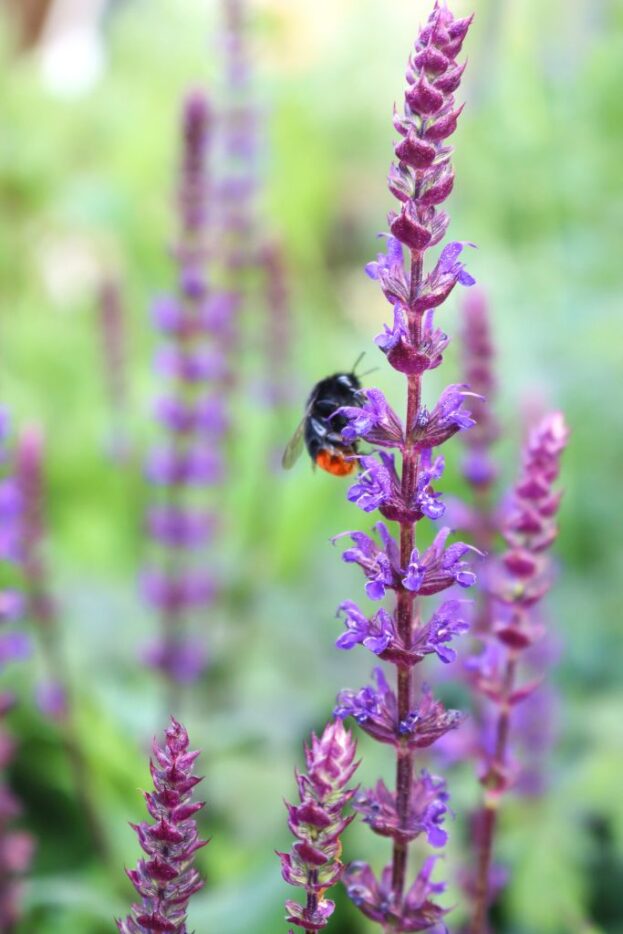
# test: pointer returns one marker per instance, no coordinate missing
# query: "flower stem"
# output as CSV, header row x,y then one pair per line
x,y
406,610
312,900
486,830
494,784
70,741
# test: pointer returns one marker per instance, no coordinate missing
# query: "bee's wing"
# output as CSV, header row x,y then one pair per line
x,y
294,446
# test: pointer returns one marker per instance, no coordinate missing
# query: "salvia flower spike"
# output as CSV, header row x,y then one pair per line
x,y
517,584
397,480
193,417
318,823
165,878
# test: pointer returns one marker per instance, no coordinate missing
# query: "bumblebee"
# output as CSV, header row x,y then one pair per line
x,y
320,429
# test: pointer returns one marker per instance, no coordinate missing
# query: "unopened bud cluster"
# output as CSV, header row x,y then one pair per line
x,y
166,879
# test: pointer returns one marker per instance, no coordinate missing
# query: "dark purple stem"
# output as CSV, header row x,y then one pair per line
x,y
407,613
494,788
312,899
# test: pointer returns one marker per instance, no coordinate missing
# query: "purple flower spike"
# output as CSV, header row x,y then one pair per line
x,y
503,674
398,479
166,879
318,823
196,324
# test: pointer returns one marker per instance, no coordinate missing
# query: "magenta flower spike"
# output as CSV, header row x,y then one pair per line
x,y
318,823
397,479
517,584
165,878
193,417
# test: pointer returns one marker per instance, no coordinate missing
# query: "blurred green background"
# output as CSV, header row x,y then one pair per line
x,y
86,188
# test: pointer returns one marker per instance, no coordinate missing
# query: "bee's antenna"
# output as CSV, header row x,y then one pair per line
x,y
358,361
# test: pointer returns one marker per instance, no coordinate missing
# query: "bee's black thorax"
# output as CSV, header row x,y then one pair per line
x,y
323,429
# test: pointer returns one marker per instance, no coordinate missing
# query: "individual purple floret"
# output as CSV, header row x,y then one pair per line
x,y
517,582
193,419
318,823
398,478
165,878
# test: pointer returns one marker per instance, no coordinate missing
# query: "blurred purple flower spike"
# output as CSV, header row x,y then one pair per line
x,y
516,583
193,416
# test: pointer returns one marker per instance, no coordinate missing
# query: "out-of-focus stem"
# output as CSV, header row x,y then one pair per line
x,y
42,611
486,830
488,815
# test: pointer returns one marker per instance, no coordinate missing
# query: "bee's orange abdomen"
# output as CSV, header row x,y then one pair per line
x,y
336,463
